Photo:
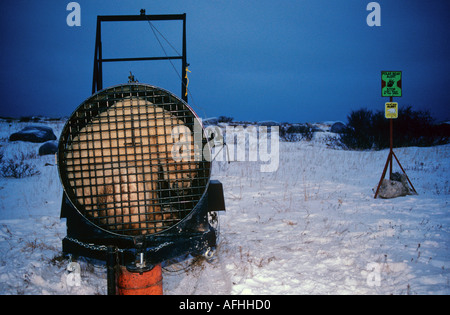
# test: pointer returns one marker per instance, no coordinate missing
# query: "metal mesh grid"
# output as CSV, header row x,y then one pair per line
x,y
126,160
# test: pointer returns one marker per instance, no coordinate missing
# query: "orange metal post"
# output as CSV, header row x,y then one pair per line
x,y
146,283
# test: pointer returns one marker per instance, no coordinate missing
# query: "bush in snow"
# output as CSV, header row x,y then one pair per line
x,y
295,133
16,167
358,134
225,119
367,129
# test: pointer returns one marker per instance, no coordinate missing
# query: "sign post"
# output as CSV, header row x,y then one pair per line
x,y
391,85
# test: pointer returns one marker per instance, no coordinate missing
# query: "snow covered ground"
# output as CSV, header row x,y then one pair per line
x,y
311,227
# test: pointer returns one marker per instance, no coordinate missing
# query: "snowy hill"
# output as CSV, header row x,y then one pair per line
x,y
311,227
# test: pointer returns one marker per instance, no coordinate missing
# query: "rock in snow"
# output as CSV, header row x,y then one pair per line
x,y
397,187
50,147
337,127
35,134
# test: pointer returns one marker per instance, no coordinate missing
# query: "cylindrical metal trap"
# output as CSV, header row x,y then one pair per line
x,y
135,166
127,160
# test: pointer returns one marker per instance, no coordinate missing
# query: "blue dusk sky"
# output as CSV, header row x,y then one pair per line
x,y
287,60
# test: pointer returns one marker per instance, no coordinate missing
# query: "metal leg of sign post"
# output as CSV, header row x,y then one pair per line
x,y
403,171
389,159
389,162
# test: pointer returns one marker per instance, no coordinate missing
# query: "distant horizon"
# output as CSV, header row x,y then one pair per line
x,y
345,121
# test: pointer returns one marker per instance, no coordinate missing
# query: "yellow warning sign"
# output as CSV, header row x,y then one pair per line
x,y
391,110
